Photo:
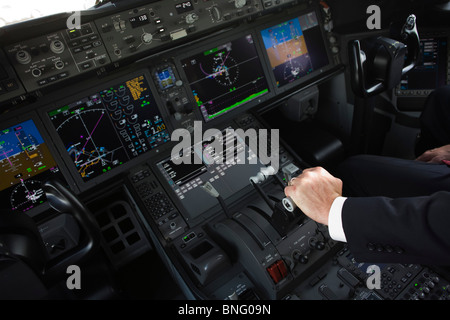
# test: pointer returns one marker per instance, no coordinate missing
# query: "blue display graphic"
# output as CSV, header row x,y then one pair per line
x,y
282,33
25,162
294,48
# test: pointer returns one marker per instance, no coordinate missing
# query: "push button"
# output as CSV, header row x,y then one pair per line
x,y
86,65
10,84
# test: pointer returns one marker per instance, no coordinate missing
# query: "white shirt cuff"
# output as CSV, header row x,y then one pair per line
x,y
335,227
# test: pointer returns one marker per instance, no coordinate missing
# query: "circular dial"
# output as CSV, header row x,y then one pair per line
x,y
26,195
292,69
225,69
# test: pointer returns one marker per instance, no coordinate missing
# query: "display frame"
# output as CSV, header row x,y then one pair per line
x,y
19,117
309,77
219,41
423,93
86,185
216,209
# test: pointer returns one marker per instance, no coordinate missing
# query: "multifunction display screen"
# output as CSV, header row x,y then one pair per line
x,y
225,77
106,129
25,163
432,69
295,48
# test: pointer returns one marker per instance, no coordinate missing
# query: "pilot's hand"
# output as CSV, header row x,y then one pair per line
x,y
437,155
314,192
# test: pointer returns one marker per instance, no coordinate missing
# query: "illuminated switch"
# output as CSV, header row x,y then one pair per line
x,y
277,271
274,273
282,268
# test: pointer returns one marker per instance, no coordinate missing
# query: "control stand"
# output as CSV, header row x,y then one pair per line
x,y
286,215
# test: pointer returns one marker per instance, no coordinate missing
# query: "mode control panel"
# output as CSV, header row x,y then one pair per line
x,y
137,30
50,58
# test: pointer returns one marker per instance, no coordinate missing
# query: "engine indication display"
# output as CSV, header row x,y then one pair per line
x,y
25,162
225,77
107,129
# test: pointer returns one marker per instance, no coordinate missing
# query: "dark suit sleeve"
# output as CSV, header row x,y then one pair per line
x,y
402,230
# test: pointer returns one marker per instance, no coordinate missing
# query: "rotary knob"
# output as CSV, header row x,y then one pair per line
x,y
57,46
36,72
191,18
240,3
147,38
23,57
216,13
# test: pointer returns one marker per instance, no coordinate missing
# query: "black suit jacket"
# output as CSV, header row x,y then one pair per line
x,y
402,230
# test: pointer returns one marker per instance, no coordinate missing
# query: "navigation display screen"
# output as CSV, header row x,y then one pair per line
x,y
106,129
25,163
225,77
295,48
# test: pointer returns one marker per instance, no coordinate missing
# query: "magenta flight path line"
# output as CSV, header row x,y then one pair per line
x,y
90,135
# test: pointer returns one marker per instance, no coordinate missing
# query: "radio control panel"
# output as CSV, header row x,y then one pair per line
x,y
57,56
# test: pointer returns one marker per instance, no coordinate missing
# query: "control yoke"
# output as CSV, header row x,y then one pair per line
x,y
378,64
62,200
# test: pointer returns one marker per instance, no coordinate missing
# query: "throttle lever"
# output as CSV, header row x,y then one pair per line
x,y
287,202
